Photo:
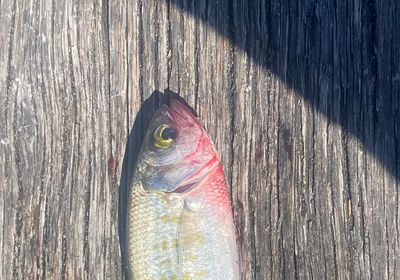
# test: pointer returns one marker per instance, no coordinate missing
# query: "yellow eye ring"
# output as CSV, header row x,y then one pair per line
x,y
164,136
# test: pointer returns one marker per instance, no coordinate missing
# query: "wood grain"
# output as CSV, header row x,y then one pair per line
x,y
302,99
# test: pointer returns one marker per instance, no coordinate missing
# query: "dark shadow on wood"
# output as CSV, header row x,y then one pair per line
x,y
132,150
329,53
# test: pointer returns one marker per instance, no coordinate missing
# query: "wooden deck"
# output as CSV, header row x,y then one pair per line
x,y
302,99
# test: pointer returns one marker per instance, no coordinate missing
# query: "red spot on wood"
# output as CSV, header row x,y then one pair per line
x,y
112,165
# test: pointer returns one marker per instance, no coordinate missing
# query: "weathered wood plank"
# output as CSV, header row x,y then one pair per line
x,y
58,198
302,99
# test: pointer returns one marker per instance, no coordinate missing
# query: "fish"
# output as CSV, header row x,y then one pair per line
x,y
179,214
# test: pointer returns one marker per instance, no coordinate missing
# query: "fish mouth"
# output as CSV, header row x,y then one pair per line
x,y
177,105
179,109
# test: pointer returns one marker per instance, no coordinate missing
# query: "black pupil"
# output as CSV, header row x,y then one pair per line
x,y
168,133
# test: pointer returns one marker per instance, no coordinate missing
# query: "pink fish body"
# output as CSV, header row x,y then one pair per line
x,y
179,220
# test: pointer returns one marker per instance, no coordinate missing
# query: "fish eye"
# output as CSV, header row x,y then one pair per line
x,y
164,136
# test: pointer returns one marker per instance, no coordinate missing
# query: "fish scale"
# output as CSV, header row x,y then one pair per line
x,y
154,253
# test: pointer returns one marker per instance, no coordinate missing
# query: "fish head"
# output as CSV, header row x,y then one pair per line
x,y
176,152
